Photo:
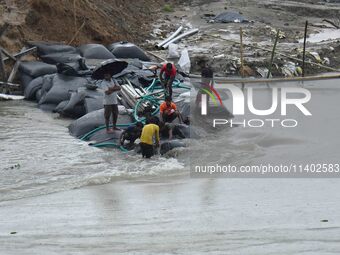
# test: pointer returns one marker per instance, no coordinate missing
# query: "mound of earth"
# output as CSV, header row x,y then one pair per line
x,y
99,21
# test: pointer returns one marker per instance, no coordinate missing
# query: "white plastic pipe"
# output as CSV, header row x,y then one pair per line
x,y
189,33
170,37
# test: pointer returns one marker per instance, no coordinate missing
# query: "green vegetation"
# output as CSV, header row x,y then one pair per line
x,y
168,8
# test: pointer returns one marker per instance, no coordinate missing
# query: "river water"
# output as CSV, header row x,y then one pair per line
x,y
89,195
38,156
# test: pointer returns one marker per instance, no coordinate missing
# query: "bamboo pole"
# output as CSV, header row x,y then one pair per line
x,y
332,23
75,16
9,55
13,72
241,52
273,54
22,53
304,50
156,56
76,34
273,80
281,54
2,67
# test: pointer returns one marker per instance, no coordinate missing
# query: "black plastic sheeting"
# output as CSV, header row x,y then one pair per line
x,y
127,50
47,84
68,69
93,104
62,57
38,95
140,78
111,66
167,146
74,107
32,88
25,80
103,136
230,17
61,89
68,109
45,48
48,107
37,68
80,103
95,51
92,121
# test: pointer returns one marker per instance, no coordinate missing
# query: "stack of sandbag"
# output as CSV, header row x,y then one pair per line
x,y
33,69
95,51
34,88
94,120
53,53
81,102
59,88
127,50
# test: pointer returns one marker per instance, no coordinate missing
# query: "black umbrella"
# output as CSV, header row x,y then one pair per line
x,y
111,66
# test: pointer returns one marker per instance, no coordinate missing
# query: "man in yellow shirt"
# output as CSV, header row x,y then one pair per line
x,y
149,138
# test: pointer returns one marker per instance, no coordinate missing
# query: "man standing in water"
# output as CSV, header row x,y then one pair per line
x,y
167,77
207,75
149,138
110,87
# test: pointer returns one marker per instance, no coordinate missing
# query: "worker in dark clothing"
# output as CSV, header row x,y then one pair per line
x,y
132,133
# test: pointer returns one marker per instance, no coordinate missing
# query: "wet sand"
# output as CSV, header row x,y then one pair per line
x,y
178,216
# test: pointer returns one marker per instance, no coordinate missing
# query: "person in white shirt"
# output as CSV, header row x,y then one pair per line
x,y
110,87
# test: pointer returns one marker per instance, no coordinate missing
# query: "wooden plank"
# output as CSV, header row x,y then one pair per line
x,y
241,53
3,83
2,67
304,50
332,23
5,52
157,56
76,33
273,54
14,72
22,53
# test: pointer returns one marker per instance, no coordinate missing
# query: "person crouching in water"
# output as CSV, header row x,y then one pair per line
x,y
167,77
168,110
110,87
149,138
132,133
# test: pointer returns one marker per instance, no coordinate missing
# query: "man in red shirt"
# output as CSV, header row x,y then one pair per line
x,y
169,111
167,76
